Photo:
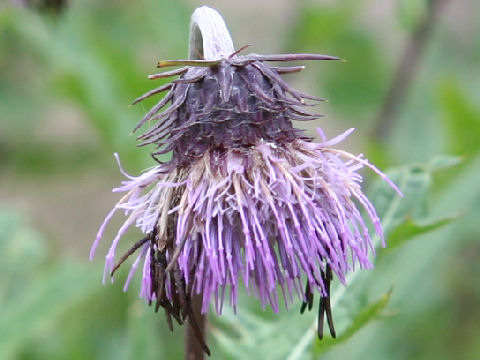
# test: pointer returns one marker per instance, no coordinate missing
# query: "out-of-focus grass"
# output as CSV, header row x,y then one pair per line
x,y
65,82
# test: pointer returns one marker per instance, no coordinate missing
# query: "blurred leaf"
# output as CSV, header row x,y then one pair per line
x,y
414,181
148,335
411,11
141,328
368,314
356,84
427,278
55,309
461,115
441,162
50,158
88,81
33,295
251,334
102,74
411,229
21,249
50,294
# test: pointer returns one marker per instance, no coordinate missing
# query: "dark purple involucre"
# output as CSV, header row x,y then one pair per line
x,y
245,194
231,104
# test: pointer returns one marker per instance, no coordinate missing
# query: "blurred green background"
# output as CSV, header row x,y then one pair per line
x,y
67,75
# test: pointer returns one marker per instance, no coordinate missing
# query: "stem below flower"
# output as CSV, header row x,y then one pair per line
x,y
193,348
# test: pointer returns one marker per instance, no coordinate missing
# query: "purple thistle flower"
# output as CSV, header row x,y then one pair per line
x,y
246,197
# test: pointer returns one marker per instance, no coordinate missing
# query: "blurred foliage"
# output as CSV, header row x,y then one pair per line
x,y
88,61
88,58
53,308
356,86
411,11
460,112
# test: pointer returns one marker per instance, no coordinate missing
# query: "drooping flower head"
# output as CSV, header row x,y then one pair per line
x,y
246,198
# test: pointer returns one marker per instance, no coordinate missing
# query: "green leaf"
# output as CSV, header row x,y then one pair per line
x,y
368,314
411,217
414,181
441,162
412,228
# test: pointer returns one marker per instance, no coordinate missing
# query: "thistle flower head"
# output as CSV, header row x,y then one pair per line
x,y
246,197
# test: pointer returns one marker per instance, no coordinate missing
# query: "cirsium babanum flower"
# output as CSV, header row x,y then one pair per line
x,y
246,197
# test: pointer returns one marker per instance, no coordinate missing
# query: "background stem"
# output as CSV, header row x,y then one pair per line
x,y
406,69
